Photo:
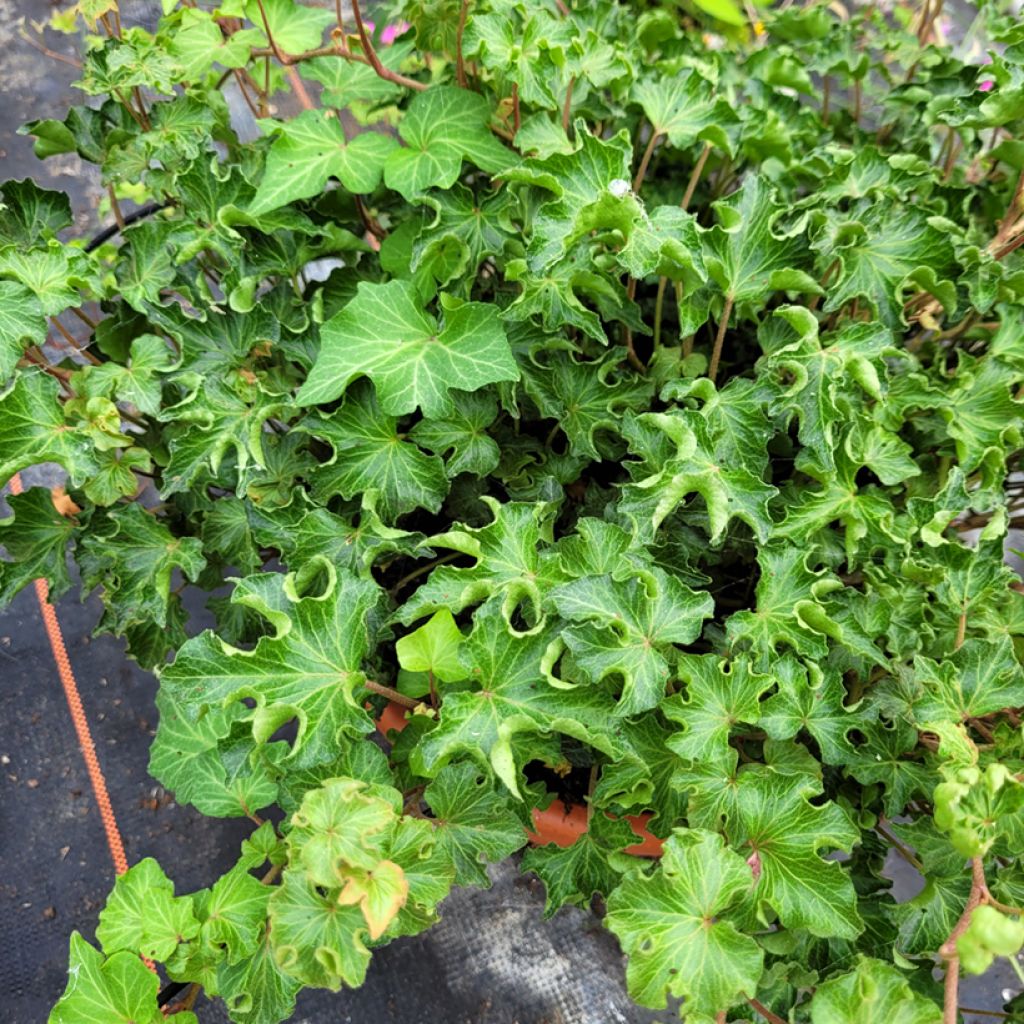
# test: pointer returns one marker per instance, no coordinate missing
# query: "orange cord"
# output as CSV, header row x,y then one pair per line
x,y
67,678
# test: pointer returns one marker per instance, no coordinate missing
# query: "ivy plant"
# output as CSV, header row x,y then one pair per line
x,y
630,394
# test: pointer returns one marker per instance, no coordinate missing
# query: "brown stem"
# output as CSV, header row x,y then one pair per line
x,y
47,52
371,55
421,569
723,323
299,89
567,105
391,694
460,67
961,630
85,318
858,96
634,359
951,983
115,207
433,689
516,119
243,89
899,847
339,16
772,1018
73,342
698,169
646,159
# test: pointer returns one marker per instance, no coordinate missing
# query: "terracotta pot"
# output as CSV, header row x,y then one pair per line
x,y
557,824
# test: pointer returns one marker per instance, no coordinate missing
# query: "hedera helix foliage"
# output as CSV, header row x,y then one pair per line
x,y
630,391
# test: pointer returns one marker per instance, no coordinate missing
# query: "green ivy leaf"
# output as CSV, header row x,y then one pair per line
x,y
143,914
434,647
510,701
369,452
719,695
311,148
474,824
105,989
21,324
675,929
132,556
35,537
686,110
32,430
872,991
574,873
784,832
442,127
385,334
628,630
308,669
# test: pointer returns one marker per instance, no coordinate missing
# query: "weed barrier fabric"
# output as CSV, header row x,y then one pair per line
x,y
492,960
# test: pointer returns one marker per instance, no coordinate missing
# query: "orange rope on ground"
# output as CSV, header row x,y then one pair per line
x,y
67,678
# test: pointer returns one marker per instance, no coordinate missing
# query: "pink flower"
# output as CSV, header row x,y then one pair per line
x,y
987,86
392,32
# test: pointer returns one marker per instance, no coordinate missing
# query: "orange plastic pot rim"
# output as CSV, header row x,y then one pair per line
x,y
558,823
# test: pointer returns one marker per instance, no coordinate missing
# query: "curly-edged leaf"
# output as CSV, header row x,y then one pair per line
x,y
586,194
981,677
207,761
872,991
255,989
143,914
784,833
216,419
311,148
510,703
743,254
482,224
461,438
473,823
308,669
788,609
442,127
673,926
511,563
354,541
314,940
823,382
342,824
719,695
369,452
519,53
133,556
572,874
881,760
137,381
103,990
687,463
35,538
665,241
428,873
33,430
30,214
629,628
385,334
813,699
584,397
233,912
685,107
21,324
880,249
147,266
